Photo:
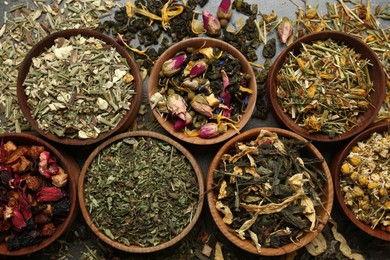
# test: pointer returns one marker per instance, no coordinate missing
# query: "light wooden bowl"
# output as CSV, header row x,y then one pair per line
x,y
335,166
323,213
47,42
153,86
136,248
70,166
376,96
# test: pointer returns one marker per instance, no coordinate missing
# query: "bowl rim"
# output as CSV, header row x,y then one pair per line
x,y
246,244
348,40
71,167
337,160
48,41
134,248
202,42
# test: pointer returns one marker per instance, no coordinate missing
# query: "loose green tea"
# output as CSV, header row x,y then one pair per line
x,y
25,25
325,87
79,88
268,190
203,92
34,196
141,191
365,180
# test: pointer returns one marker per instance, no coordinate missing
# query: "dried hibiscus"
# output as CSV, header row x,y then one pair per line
x,y
32,187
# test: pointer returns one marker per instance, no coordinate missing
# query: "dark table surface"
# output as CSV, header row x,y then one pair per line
x,y
79,242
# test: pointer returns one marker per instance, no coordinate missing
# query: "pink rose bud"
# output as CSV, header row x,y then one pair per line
x,y
173,65
211,23
49,194
177,106
211,130
199,68
224,12
285,29
200,104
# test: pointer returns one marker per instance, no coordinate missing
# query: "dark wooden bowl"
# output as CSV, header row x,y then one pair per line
x,y
376,73
47,42
323,213
337,161
136,248
73,170
196,43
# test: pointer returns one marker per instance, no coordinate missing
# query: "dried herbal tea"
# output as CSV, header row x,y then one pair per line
x,y
268,190
23,27
79,88
34,196
365,180
141,191
362,20
203,92
325,87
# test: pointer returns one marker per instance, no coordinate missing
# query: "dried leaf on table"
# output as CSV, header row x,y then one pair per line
x,y
344,247
218,252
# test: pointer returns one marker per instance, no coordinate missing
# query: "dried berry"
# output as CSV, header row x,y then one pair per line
x,y
61,208
48,230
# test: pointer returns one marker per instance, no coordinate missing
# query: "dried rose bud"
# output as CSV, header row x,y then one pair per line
x,y
48,194
285,29
48,230
33,183
192,84
180,124
60,179
41,218
18,220
173,65
224,12
177,106
199,68
211,130
199,104
211,23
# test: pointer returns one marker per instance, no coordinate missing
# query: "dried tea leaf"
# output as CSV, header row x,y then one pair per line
x,y
228,215
317,246
255,240
344,247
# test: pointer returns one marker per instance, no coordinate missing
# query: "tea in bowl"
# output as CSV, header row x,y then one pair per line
x,y
141,192
202,90
360,172
39,197
78,87
270,191
326,86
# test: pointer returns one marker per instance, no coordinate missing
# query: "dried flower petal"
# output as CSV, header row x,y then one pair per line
x,y
285,29
48,194
18,220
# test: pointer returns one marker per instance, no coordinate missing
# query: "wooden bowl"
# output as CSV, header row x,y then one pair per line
x,y
364,119
196,43
70,166
335,166
323,213
136,248
49,41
